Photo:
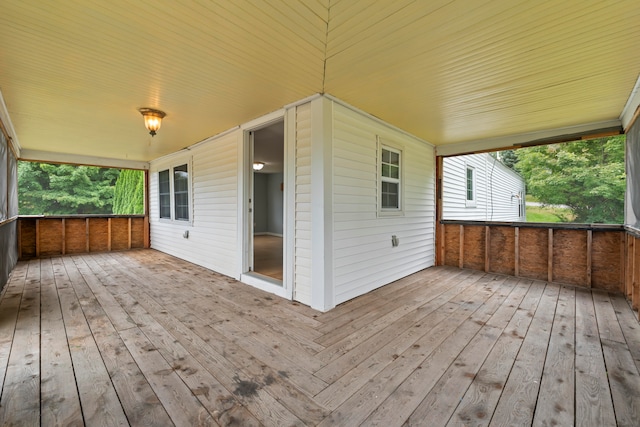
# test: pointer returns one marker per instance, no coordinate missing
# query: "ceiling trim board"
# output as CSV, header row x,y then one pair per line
x,y
631,106
7,124
78,159
264,120
533,138
302,101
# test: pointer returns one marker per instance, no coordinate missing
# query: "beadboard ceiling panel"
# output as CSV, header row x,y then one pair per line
x,y
74,72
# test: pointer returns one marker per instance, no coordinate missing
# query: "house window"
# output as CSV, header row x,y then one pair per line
x,y
173,193
471,186
164,192
181,192
390,180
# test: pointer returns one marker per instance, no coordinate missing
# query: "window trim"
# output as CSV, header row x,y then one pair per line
x,y
470,203
171,169
384,144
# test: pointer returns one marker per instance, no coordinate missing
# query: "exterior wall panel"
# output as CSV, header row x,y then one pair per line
x,y
364,258
302,221
212,240
497,188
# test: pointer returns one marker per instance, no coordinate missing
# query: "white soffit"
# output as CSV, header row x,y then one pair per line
x,y
74,73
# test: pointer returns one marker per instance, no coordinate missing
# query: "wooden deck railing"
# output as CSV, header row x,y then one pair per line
x,y
588,255
40,236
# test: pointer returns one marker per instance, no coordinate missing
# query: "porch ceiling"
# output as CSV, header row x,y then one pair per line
x,y
73,73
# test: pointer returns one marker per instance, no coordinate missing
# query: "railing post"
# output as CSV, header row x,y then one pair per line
x,y
550,257
516,260
487,247
461,257
589,250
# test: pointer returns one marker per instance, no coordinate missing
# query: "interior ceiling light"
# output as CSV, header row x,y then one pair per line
x,y
152,119
257,166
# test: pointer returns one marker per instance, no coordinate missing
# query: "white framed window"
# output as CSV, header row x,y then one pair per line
x,y
470,187
390,182
164,194
174,195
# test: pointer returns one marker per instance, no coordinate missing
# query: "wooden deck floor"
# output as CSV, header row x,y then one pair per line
x,y
142,338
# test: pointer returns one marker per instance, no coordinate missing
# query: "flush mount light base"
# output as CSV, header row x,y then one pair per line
x,y
257,166
152,119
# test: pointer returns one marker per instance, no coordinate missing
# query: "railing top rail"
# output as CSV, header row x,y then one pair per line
x,y
547,225
79,216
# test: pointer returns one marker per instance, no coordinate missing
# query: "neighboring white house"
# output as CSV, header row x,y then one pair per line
x,y
478,187
358,203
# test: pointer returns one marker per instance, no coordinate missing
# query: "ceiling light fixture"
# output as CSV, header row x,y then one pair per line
x,y
257,166
152,119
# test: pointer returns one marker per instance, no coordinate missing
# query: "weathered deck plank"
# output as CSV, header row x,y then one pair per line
x,y
556,402
142,338
517,402
60,403
20,403
593,399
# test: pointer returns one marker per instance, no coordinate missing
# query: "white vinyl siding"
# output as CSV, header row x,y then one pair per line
x,y
212,240
302,224
364,258
350,253
498,190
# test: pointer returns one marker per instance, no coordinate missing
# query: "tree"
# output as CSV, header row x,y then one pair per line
x,y
48,189
587,176
129,193
509,158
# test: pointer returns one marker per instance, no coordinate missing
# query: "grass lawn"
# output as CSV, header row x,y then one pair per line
x,y
548,214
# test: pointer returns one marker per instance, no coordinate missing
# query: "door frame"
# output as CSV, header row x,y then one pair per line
x,y
245,189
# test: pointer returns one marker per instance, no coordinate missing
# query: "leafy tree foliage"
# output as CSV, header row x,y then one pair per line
x,y
48,189
509,158
587,176
129,193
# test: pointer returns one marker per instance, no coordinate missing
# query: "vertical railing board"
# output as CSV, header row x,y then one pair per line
x,y
27,235
98,235
120,234
128,233
533,253
474,247
570,256
138,232
502,250
452,245
607,261
76,235
50,237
